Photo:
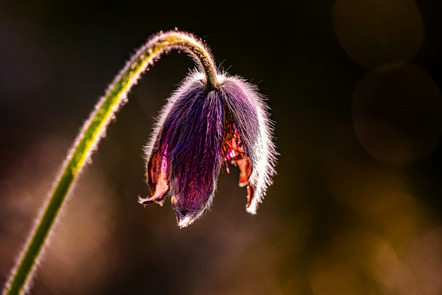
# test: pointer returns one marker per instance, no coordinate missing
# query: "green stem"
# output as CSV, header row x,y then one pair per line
x,y
93,131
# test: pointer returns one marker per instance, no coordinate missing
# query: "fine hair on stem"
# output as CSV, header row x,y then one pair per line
x,y
91,133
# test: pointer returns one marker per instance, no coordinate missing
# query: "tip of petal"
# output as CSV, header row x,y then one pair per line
x,y
147,201
185,221
186,217
251,210
242,183
142,200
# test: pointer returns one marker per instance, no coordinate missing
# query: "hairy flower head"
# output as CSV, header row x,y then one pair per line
x,y
197,132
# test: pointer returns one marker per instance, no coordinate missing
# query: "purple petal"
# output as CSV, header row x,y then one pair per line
x,y
192,129
249,112
185,152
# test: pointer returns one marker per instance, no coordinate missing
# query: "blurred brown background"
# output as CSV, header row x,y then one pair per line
x,y
354,88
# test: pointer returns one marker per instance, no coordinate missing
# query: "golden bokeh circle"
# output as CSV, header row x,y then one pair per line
x,y
378,33
397,114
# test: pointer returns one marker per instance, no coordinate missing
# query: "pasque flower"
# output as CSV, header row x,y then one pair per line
x,y
212,119
198,131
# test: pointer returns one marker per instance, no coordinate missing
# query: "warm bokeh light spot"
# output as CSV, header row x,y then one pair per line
x,y
378,33
397,114
424,260
371,237
83,241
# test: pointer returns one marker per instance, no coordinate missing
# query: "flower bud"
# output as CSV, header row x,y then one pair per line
x,y
200,130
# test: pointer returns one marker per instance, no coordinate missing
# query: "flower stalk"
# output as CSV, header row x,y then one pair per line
x,y
94,129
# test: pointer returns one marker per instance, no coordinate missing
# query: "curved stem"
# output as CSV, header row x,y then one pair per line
x,y
196,49
93,131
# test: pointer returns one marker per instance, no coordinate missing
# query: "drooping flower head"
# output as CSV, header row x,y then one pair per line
x,y
200,130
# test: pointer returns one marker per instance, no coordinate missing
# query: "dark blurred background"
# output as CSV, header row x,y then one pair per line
x,y
354,88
